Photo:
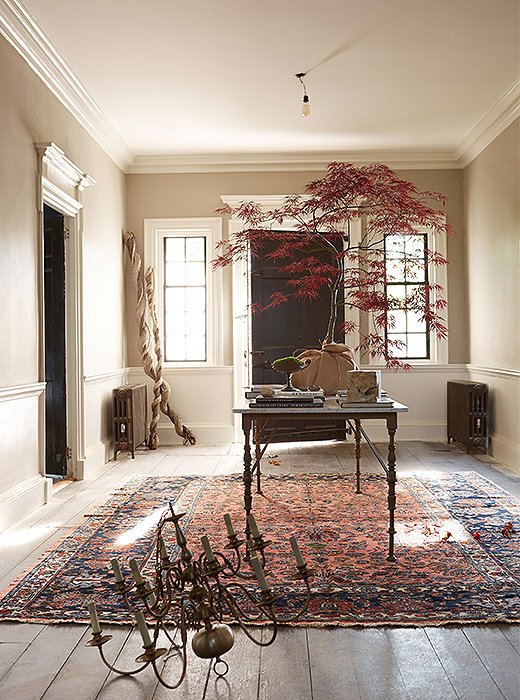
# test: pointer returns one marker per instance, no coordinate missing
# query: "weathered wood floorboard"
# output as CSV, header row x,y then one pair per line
x,y
51,662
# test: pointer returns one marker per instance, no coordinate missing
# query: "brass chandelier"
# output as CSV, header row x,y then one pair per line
x,y
198,594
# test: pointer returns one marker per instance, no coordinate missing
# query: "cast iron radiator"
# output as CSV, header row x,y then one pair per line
x,y
129,402
468,416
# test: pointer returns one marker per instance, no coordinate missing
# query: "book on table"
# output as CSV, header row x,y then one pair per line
x,y
382,403
289,401
278,392
286,404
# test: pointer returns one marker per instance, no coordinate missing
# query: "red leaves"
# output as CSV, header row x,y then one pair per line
x,y
320,222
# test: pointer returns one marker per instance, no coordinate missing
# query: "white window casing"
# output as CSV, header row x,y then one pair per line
x,y
437,274
155,231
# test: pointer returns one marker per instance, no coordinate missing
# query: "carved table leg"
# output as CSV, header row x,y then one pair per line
x,y
248,478
257,434
391,478
357,434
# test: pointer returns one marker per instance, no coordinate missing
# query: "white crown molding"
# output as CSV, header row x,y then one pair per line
x,y
498,118
289,162
266,201
23,33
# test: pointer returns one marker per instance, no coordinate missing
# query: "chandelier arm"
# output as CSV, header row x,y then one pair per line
x,y
233,604
233,566
118,671
176,623
246,631
181,677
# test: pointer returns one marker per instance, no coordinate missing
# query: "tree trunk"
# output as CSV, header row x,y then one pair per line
x,y
333,316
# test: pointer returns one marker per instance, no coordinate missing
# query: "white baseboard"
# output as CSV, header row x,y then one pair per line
x,y
97,455
23,499
506,451
427,431
205,433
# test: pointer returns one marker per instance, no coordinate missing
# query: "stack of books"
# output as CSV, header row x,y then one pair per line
x,y
285,399
382,402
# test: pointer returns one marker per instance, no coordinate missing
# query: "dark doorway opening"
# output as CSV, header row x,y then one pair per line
x,y
283,330
54,327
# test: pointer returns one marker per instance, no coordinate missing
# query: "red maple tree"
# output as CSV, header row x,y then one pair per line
x,y
319,254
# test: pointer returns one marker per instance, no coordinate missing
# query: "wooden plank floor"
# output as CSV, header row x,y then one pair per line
x,y
51,661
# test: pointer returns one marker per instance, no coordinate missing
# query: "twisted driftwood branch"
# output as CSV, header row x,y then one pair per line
x,y
156,403
161,389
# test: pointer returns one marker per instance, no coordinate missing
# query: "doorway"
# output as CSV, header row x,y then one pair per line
x,y
285,330
54,303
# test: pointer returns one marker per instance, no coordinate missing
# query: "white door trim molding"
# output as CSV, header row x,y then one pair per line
x,y
60,183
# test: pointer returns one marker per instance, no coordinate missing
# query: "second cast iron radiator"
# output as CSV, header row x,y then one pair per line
x,y
129,407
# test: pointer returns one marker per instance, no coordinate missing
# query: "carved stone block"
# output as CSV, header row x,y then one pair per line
x,y
363,386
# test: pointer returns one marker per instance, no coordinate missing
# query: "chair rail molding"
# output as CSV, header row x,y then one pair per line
x,y
116,374
21,391
494,371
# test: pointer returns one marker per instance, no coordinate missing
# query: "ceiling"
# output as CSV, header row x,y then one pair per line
x,y
207,80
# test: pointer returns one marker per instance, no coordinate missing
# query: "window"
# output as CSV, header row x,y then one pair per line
x,y
188,292
409,269
410,272
184,307
406,333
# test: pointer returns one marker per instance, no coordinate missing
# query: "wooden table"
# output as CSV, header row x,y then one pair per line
x,y
263,422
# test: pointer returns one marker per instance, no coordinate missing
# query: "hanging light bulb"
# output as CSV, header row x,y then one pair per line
x,y
306,108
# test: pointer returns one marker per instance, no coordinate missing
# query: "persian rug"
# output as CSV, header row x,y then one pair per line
x,y
454,565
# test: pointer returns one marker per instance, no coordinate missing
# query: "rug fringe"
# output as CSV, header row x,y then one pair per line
x,y
308,624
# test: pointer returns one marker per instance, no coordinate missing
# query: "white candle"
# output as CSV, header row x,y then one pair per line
x,y
164,552
207,549
117,570
143,628
96,629
135,571
259,573
296,551
229,525
254,527
151,597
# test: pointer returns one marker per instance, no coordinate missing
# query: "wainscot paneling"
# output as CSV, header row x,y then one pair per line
x,y
203,397
504,408
23,486
98,419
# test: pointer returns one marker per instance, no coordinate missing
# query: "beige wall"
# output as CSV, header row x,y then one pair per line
x,y
491,211
29,113
193,195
